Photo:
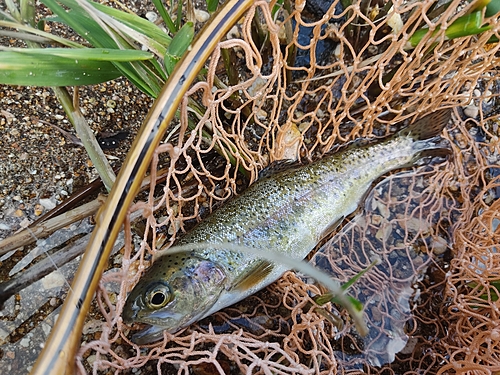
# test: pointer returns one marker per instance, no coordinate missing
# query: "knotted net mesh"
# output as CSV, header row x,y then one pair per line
x,y
294,83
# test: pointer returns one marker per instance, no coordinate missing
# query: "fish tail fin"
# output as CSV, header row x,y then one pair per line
x,y
428,126
425,133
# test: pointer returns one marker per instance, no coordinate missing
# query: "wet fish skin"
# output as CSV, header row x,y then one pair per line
x,y
287,211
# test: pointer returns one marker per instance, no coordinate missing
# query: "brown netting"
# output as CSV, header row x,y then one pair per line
x,y
304,81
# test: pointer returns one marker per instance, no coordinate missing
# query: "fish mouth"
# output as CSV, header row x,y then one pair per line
x,y
148,335
153,332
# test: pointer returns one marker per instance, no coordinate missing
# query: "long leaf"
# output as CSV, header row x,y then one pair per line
x,y
470,24
165,16
212,5
32,30
93,54
78,20
32,69
179,46
14,12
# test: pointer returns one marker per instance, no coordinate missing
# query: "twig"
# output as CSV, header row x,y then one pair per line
x,y
41,269
31,234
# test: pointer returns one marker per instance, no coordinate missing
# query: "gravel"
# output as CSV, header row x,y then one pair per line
x,y
39,166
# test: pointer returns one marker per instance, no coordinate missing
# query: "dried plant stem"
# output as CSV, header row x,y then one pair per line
x,y
87,137
29,235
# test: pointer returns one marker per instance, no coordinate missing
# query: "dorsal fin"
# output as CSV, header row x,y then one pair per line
x,y
428,126
279,166
254,276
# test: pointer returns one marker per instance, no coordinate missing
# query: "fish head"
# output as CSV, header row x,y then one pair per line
x,y
176,291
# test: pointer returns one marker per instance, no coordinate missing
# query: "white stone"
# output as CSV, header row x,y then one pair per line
x,y
25,342
47,203
471,111
201,15
53,280
4,226
151,16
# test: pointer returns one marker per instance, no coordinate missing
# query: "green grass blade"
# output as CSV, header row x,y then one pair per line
x,y
165,16
23,36
179,46
276,8
148,78
32,69
79,21
159,70
142,74
14,11
27,8
492,8
212,5
356,277
328,297
470,24
179,14
93,54
43,34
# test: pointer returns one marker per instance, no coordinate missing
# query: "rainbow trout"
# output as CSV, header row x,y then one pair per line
x,y
288,211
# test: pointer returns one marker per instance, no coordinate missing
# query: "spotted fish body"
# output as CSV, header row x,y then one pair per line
x,y
288,211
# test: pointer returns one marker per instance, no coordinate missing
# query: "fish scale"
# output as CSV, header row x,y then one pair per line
x,y
288,211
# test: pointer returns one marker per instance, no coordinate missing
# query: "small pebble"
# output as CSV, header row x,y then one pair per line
x,y
234,33
25,223
38,209
53,280
471,111
4,226
151,16
439,245
487,96
91,359
201,15
49,204
25,342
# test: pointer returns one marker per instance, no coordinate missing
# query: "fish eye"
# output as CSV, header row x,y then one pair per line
x,y
158,296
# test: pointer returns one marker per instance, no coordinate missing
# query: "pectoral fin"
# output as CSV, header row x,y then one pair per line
x,y
254,276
